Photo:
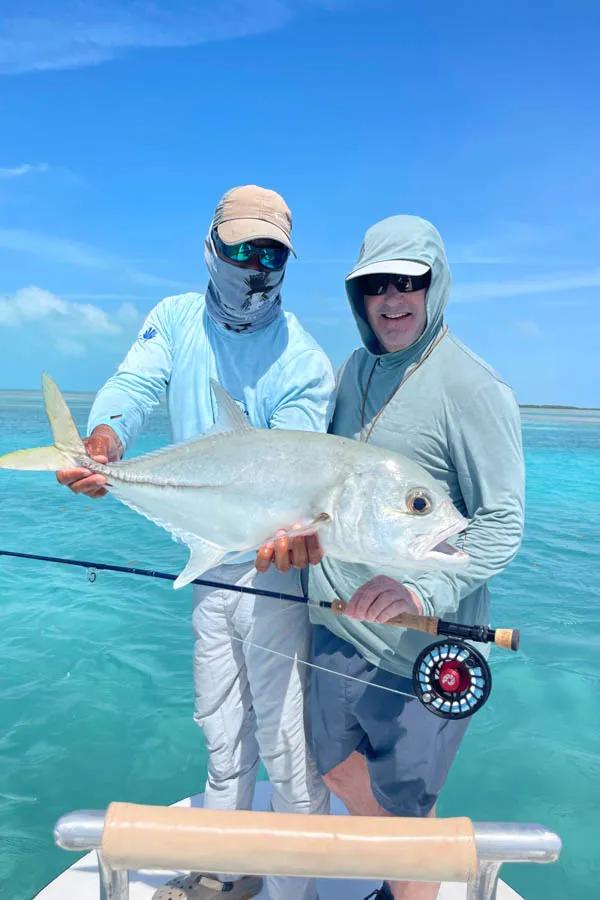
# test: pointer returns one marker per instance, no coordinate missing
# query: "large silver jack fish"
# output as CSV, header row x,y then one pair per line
x,y
236,487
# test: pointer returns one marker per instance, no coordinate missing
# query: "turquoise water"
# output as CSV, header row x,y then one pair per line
x,y
95,679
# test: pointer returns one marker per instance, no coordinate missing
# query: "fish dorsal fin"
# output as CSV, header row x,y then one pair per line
x,y
229,415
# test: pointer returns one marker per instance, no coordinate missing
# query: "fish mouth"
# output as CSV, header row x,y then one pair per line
x,y
438,550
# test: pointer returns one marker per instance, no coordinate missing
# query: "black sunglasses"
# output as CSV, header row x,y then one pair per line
x,y
272,258
377,284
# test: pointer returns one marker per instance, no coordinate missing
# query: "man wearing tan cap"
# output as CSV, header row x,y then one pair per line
x,y
249,702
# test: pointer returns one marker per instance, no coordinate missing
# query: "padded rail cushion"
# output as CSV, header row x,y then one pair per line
x,y
268,843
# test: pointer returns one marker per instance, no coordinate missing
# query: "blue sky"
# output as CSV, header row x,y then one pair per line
x,y
123,122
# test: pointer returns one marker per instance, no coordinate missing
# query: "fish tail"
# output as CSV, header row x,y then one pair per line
x,y
67,446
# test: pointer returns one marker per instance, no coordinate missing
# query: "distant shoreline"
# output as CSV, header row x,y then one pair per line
x,y
68,393
558,406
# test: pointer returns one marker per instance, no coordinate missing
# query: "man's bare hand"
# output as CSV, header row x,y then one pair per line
x,y
104,446
286,553
381,599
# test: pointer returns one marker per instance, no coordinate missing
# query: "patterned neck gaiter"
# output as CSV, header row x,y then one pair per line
x,y
240,299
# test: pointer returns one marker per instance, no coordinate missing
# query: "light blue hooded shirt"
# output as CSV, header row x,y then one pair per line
x,y
278,374
459,420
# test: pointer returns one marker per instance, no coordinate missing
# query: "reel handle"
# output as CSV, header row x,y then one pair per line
x,y
506,638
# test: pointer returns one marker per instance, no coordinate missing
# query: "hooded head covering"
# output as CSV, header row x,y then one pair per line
x,y
246,299
402,238
240,299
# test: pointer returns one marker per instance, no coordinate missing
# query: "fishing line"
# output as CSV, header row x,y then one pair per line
x,y
296,658
304,662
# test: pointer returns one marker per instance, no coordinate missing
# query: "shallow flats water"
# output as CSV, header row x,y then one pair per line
x,y
95,678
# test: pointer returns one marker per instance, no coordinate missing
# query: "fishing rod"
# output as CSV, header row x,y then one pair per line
x,y
450,677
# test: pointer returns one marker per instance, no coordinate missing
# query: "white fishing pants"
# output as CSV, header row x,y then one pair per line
x,y
250,703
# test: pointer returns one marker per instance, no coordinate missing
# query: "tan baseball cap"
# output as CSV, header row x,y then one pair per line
x,y
249,212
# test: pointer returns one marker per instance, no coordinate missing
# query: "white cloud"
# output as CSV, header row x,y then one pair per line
x,y
33,304
519,243
56,249
68,347
69,326
23,169
127,313
30,304
75,253
548,284
507,243
63,34
525,328
107,295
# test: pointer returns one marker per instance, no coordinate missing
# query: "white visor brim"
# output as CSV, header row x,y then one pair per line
x,y
390,266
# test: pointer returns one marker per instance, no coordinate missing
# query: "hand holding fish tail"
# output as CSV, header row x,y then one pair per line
x,y
285,552
103,446
382,599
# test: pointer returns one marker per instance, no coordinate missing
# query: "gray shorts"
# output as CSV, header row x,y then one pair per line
x,y
409,750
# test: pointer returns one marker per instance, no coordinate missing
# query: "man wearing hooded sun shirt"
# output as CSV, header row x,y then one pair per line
x,y
415,389
248,702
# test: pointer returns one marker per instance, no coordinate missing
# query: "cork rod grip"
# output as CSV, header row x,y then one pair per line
x,y
507,638
428,624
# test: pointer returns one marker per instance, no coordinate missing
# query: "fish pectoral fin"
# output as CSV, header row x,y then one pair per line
x,y
203,556
303,527
229,416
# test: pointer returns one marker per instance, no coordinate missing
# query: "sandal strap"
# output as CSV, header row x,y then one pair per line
x,y
215,885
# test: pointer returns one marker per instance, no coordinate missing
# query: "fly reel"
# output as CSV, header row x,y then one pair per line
x,y
452,679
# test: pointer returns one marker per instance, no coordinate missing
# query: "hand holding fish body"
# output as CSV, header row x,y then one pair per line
x,y
367,504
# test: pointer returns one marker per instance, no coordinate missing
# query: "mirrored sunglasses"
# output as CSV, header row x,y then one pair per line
x,y
272,258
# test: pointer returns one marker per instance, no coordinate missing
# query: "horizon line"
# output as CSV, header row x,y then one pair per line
x,y
38,392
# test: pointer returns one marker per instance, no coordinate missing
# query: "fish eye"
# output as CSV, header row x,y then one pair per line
x,y
418,502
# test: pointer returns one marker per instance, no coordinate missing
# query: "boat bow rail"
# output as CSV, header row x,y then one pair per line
x,y
130,836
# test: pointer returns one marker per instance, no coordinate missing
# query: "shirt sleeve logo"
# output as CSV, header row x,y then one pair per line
x,y
149,334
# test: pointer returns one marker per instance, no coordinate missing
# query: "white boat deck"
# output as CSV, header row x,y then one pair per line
x,y
80,881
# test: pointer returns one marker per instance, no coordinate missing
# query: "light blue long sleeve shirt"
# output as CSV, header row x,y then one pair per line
x,y
279,375
450,412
